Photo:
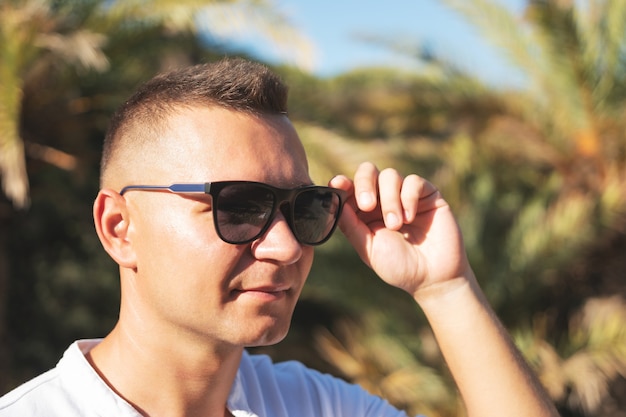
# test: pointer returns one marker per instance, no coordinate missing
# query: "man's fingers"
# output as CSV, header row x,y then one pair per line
x,y
412,189
365,186
389,186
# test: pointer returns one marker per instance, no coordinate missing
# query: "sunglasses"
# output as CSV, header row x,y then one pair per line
x,y
244,210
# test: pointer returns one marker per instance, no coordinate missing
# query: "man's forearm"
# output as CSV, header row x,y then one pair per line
x,y
493,378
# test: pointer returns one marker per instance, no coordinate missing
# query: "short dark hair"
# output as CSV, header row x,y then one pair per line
x,y
231,83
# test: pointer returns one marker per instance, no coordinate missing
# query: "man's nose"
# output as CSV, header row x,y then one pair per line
x,y
278,243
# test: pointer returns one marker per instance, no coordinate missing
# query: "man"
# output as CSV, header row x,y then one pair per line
x,y
207,207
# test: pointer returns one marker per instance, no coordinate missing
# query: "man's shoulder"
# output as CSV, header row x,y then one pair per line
x,y
263,366
31,395
298,388
72,388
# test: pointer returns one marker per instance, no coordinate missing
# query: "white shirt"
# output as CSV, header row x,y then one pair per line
x,y
261,389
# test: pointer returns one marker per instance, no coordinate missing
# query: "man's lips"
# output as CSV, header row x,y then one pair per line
x,y
268,293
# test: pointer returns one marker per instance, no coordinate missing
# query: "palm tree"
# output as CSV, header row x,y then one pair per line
x,y
537,181
39,35
564,136
28,31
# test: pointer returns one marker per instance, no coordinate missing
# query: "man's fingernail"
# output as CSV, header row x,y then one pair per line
x,y
365,199
391,220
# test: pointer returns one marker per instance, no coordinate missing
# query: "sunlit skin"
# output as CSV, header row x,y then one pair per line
x,y
191,303
188,297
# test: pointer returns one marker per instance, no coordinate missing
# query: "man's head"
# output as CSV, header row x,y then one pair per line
x,y
216,122
233,84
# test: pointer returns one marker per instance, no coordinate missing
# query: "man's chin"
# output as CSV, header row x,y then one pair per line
x,y
270,338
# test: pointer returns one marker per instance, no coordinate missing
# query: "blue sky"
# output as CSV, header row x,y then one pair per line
x,y
335,25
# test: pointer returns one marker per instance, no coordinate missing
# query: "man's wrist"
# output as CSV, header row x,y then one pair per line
x,y
449,294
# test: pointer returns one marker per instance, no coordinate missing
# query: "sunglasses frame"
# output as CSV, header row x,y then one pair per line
x,y
282,196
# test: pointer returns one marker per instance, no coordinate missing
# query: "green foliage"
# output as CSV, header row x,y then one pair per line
x,y
386,104
536,177
579,373
39,36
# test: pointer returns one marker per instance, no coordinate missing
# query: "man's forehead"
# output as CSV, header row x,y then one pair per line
x,y
211,143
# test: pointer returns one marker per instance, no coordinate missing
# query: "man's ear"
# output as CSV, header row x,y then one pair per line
x,y
112,223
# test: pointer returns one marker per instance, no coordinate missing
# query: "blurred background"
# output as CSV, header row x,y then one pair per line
x,y
515,109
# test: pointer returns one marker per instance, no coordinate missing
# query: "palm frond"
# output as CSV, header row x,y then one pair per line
x,y
554,98
603,27
42,34
580,379
82,48
331,153
175,16
258,18
13,37
384,366
544,230
13,169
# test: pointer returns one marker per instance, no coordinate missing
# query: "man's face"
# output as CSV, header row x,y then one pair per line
x,y
187,281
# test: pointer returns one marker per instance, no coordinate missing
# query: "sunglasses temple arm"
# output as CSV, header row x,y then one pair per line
x,y
175,188
189,188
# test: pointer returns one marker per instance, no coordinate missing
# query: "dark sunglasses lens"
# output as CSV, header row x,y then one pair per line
x,y
243,211
315,214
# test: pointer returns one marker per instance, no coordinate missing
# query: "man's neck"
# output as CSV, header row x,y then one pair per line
x,y
165,376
